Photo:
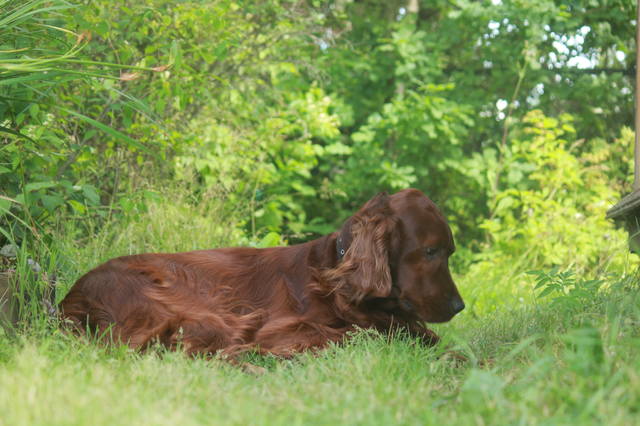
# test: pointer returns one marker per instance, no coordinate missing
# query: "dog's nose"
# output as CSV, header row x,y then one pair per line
x,y
457,305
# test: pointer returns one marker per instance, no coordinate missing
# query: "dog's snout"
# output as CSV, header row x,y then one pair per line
x,y
457,305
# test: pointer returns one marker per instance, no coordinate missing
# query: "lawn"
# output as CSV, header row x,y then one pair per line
x,y
570,357
549,363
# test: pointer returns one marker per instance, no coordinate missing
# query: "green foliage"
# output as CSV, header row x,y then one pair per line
x,y
555,197
171,221
411,142
34,59
272,163
303,113
548,209
43,137
570,293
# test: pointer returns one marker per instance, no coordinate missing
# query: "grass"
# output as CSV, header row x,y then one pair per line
x,y
533,363
529,366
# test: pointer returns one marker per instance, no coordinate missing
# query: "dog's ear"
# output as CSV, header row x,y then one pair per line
x,y
366,236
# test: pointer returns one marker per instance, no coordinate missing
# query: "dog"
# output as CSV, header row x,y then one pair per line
x,y
386,268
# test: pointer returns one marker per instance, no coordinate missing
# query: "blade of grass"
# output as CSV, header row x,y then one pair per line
x,y
110,131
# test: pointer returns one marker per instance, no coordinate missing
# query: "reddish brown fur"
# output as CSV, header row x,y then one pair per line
x,y
281,300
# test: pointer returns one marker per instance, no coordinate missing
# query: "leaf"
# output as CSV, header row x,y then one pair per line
x,y
129,76
548,290
5,205
77,207
34,76
91,194
126,205
272,239
112,132
52,202
35,186
34,110
542,282
151,195
304,190
338,148
504,204
13,132
175,56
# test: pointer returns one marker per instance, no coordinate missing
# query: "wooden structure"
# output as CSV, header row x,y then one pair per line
x,y
627,210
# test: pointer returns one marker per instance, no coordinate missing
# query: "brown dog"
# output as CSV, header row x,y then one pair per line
x,y
386,268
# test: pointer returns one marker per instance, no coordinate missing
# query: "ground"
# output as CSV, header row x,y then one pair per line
x,y
539,363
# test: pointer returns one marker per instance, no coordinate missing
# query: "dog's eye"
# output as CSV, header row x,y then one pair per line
x,y
431,252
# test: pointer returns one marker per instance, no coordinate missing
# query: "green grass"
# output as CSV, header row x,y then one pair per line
x,y
529,366
529,363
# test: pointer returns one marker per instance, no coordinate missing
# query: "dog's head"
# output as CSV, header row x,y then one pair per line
x,y
395,249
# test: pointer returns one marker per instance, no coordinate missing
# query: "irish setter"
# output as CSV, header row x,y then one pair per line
x,y
386,268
